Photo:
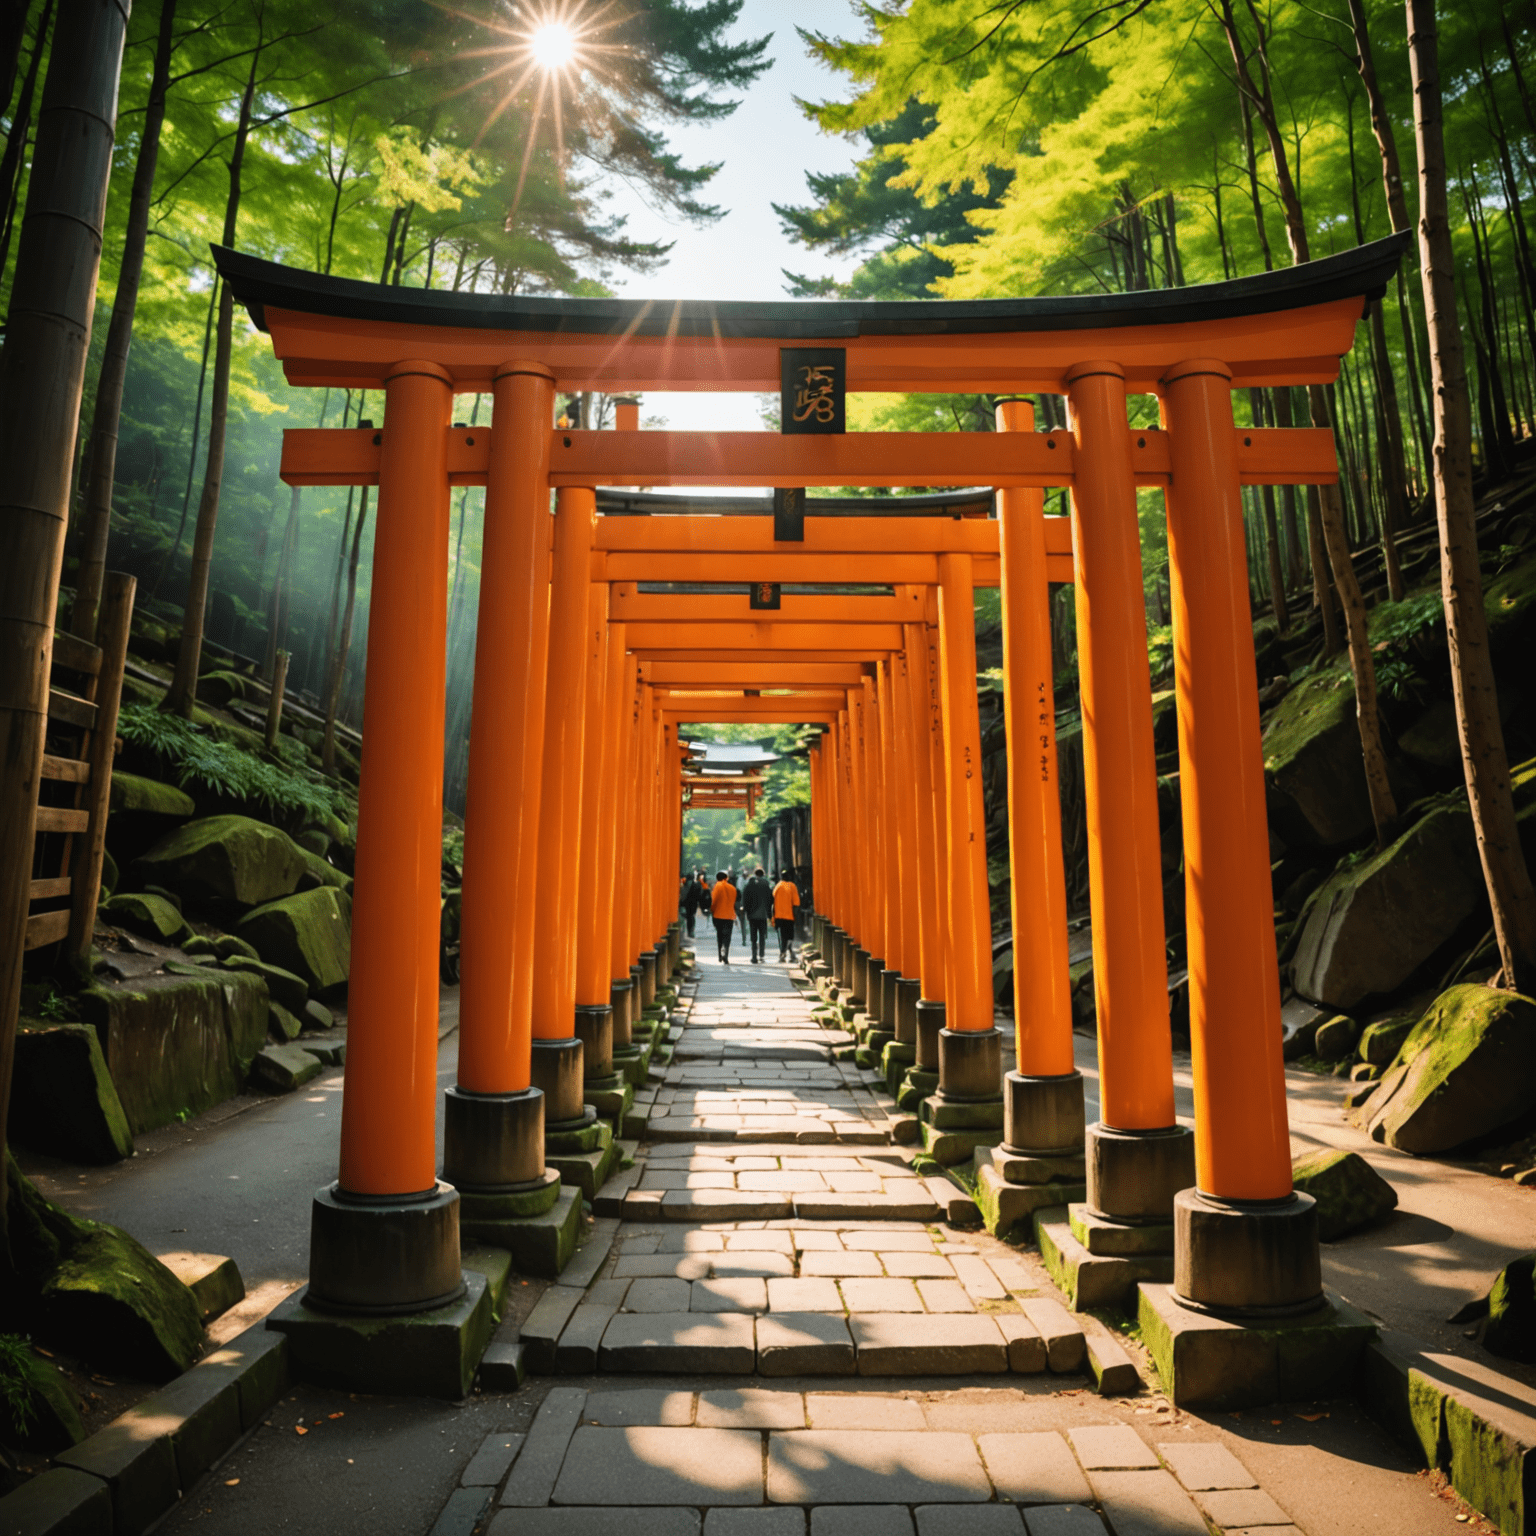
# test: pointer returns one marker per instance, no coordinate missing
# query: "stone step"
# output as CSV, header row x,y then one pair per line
x,y
1091,1280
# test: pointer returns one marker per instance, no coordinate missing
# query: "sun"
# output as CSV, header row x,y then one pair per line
x,y
553,45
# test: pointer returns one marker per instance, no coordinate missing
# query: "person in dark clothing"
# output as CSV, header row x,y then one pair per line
x,y
757,903
722,907
693,896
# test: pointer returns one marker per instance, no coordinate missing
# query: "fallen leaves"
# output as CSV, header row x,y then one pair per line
x,y
231,1482
299,1429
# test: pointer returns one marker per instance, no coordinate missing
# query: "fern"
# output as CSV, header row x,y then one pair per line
x,y
18,1383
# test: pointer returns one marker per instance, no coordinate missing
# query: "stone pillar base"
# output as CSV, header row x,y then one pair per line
x,y
594,1028
1044,1116
930,1020
1249,1259
493,1143
621,997
557,1071
384,1255
858,985
648,978
1133,1176
887,1015
908,990
971,1066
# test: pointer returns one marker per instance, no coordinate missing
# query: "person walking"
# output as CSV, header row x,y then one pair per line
x,y
722,908
693,895
757,903
786,897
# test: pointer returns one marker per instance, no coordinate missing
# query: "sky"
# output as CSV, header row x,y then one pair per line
x,y
766,147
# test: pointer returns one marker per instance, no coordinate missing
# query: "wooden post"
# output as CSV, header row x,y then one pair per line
x,y
275,703
116,617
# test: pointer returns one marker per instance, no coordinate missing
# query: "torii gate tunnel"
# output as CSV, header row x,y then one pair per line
x,y
583,676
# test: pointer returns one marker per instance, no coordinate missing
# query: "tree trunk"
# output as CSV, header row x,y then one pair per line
x,y
1277,602
1484,760
16,140
343,645
277,611
114,362
42,377
182,694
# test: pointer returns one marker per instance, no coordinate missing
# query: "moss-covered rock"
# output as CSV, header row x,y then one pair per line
x,y
149,797
281,1024
1335,1038
317,1016
219,688
1431,740
1313,764
45,1417
148,916
290,991
200,944
94,1290
309,934
1349,1192
63,1100
314,840
225,858
1382,1041
228,945
176,1045
1374,921
109,876
1466,1068
284,1068
1511,1330
318,871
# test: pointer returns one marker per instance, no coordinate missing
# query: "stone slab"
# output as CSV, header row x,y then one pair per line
x,y
863,1410
724,1205
742,1294
1113,1368
590,1257
882,1295
646,1464
595,1522
1147,1504
59,1502
679,1341
805,1344
1090,1280
861,1520
968,1520
1234,1508
540,1245
838,1263
658,1295
258,1359
943,1345
492,1461
647,1266
199,1412
781,1521
538,1463
830,1466
1065,1347
1005,1206
751,1408
576,1350
1033,1468
831,1206
1021,1168
503,1366
1111,1448
639,1405
741,1263
1207,1465
1026,1349
815,1294
542,1329
425,1354
1063,1520
463,1512
1118,1239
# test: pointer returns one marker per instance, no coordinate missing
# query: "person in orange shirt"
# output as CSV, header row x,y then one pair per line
x,y
722,908
786,897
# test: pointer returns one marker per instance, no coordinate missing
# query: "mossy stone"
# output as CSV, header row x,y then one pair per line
x,y
281,1024
164,895
219,688
150,797
283,1068
309,934
1511,1330
55,1424
317,1016
1349,1192
226,858
109,875
229,945
1382,1041
63,1099
286,988
1364,1072
1335,1038
318,871
1466,1069
150,917
1313,763
313,840
200,944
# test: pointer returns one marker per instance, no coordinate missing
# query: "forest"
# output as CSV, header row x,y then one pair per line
x,y
1001,150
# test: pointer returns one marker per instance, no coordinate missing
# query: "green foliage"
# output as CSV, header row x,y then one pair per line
x,y
19,1389
199,761
1398,623
1398,678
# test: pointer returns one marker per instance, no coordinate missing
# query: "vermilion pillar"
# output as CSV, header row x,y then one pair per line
x,y
970,1047
557,1052
875,809
1138,1157
909,908
1243,1241
385,1235
1044,1096
623,670
890,848
932,1005
494,1130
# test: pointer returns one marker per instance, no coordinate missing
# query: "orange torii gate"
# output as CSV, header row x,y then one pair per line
x,y
575,734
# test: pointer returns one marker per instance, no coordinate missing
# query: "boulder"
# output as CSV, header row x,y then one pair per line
x,y
63,1099
1364,1072
1382,1041
1335,1038
291,991
218,688
53,1422
314,840
1377,919
1511,1330
318,871
150,917
1431,740
1313,767
1467,1068
309,934
92,1289
1349,1192
281,1024
149,797
283,1068
164,895
228,945
226,858
317,1016
200,944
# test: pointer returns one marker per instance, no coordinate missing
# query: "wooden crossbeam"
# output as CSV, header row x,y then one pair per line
x,y
822,640
629,606
1265,456
752,674
785,565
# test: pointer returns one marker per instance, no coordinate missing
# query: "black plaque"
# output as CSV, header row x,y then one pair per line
x,y
765,594
813,388
789,514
